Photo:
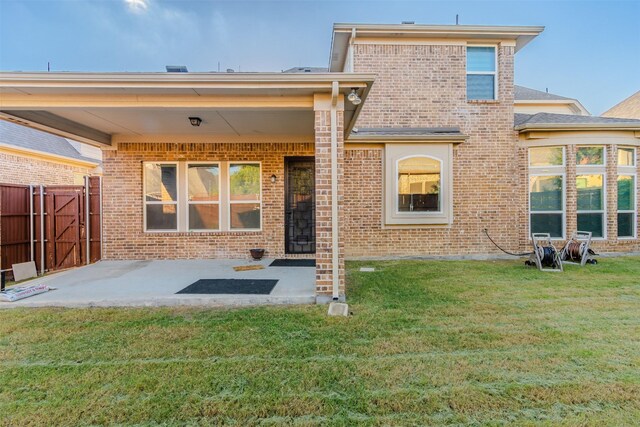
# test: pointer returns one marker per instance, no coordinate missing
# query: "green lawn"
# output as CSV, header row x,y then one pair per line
x,y
429,342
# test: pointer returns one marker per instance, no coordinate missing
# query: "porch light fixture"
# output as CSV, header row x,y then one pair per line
x,y
273,179
354,98
195,121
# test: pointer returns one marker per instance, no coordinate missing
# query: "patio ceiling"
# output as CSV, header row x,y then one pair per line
x,y
95,108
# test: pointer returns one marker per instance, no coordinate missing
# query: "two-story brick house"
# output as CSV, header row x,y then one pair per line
x,y
406,146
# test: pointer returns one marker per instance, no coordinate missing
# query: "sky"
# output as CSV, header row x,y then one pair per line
x,y
590,50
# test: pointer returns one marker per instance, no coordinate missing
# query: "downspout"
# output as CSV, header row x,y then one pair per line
x,y
334,192
31,224
351,54
42,245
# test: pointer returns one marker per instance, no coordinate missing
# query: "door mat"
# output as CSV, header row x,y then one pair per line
x,y
248,267
293,263
230,286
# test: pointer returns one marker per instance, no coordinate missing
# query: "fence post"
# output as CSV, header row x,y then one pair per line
x,y
31,219
87,222
42,246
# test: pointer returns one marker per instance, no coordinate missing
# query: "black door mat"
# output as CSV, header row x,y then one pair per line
x,y
293,263
230,286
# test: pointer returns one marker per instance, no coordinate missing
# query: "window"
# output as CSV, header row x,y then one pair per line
x,y
481,72
590,156
244,195
161,196
627,191
590,188
626,206
590,210
626,156
546,191
202,196
203,181
418,184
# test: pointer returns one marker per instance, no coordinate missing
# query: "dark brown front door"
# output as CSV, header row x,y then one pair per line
x,y
300,205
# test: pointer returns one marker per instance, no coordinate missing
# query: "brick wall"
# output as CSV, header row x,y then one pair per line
x,y
123,207
425,86
16,169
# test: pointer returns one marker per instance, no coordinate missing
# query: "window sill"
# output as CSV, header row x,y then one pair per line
x,y
483,101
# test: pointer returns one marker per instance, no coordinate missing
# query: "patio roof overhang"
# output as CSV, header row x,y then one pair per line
x,y
99,108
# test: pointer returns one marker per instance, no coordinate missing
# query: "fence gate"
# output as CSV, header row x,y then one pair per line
x,y
58,227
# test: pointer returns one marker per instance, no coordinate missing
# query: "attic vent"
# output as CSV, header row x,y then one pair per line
x,y
176,69
408,22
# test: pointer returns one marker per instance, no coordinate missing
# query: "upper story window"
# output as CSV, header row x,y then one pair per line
x,y
481,73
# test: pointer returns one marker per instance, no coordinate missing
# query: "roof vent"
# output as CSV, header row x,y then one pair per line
x,y
176,69
408,22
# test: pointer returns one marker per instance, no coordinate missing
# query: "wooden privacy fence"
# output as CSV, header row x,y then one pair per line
x,y
56,226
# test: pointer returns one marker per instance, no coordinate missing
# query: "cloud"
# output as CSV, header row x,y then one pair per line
x,y
137,6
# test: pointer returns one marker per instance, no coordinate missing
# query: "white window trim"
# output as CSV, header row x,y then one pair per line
x,y
545,167
203,202
182,203
603,211
485,73
635,205
440,211
390,217
604,156
238,202
145,202
564,201
633,157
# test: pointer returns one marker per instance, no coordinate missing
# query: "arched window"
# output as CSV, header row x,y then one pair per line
x,y
419,184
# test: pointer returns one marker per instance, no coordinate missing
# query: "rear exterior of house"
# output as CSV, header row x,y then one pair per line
x,y
408,146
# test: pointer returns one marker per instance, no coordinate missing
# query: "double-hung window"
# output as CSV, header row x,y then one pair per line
x,y
202,196
546,190
590,187
627,190
161,196
482,83
244,196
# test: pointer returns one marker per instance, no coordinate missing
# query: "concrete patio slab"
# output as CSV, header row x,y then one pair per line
x,y
155,283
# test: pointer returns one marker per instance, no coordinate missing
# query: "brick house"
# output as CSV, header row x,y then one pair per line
x,y
29,156
408,145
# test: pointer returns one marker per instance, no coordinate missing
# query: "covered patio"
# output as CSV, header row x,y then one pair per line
x,y
165,130
155,283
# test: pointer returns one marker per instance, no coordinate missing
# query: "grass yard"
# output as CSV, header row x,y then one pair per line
x,y
430,342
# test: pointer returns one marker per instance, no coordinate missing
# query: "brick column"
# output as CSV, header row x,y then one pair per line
x,y
571,190
324,225
611,192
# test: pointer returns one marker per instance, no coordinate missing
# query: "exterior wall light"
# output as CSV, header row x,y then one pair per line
x,y
354,98
195,121
273,179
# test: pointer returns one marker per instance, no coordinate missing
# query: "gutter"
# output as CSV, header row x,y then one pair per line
x,y
577,126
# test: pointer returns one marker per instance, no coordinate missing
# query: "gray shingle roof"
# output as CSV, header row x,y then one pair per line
x,y
33,139
522,93
541,119
307,70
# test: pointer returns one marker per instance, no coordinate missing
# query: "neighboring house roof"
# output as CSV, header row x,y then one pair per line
x,y
32,140
527,96
628,108
306,70
435,133
522,93
548,121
